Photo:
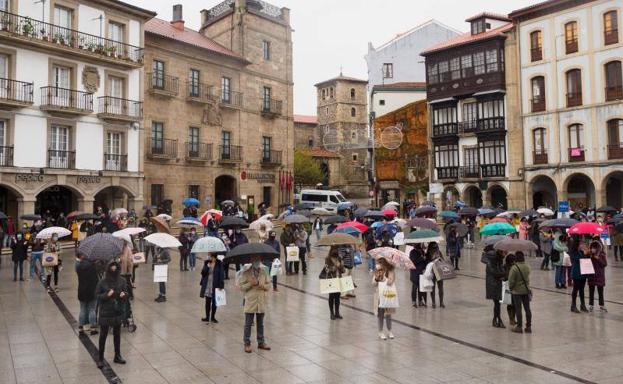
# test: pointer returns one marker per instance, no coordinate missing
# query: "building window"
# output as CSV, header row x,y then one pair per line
x,y
355,157
455,68
193,191
331,92
574,88
267,194
266,147
466,66
615,136
266,97
381,102
226,89
225,145
310,143
388,70
611,28
157,194
59,147
539,140
470,116
444,71
266,50
446,156
538,94
353,112
433,74
157,77
479,63
352,93
536,46
575,136
323,94
193,83
353,135
479,26
614,81
157,137
327,111
63,17
571,37
492,61
193,141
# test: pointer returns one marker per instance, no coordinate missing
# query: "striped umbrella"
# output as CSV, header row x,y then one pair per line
x,y
100,246
393,256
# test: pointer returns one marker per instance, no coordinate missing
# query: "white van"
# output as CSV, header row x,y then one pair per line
x,y
322,199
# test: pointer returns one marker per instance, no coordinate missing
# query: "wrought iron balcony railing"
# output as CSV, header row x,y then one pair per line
x,y
491,124
539,157
229,98
615,151
196,151
202,93
271,107
61,159
115,162
162,148
118,108
576,155
66,100
447,129
471,171
271,157
447,173
230,153
492,170
161,83
6,156
14,92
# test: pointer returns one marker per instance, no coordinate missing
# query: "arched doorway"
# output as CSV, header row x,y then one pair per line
x,y
613,187
497,197
54,200
580,192
326,173
473,196
544,193
224,189
112,197
8,202
450,197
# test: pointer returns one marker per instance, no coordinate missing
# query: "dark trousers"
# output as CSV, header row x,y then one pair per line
x,y
578,290
128,279
496,309
18,265
259,323
440,290
455,262
417,296
545,263
518,302
183,261
591,294
303,261
134,273
275,282
210,306
49,277
618,251
334,303
116,332
510,309
163,288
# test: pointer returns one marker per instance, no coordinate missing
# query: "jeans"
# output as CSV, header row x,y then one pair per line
x,y
518,302
33,263
116,331
371,263
388,320
163,288
259,323
49,277
440,290
18,264
334,303
183,261
87,313
545,263
417,296
591,295
578,288
318,233
192,260
210,307
559,278
303,262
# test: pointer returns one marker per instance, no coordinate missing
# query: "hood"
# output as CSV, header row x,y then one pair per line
x,y
112,275
488,256
600,246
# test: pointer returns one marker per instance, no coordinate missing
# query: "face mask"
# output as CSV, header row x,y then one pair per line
x,y
54,238
19,237
256,264
237,231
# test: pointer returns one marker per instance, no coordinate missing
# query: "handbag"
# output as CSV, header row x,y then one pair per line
x,y
506,294
346,284
329,286
526,284
555,256
426,285
388,296
138,258
566,260
357,258
50,259
586,267
292,254
443,270
220,297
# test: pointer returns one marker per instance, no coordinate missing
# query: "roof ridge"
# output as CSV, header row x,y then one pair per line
x,y
400,35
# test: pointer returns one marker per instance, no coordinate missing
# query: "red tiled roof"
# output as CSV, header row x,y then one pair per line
x,y
319,152
165,29
306,119
543,6
467,38
489,15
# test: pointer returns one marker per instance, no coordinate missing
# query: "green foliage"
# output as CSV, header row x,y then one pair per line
x,y
306,169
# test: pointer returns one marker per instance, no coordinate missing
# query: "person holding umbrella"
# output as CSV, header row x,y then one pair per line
x,y
300,240
87,283
272,242
384,273
161,257
433,253
578,251
37,247
287,239
111,293
597,280
495,273
212,278
53,247
419,260
559,247
546,245
184,249
254,282
519,285
333,269
453,247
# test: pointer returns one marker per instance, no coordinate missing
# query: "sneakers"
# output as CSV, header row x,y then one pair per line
x,y
382,336
517,329
263,347
590,308
390,335
160,299
603,309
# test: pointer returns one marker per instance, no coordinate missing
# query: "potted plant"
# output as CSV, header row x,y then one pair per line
x,y
6,22
81,43
91,47
44,35
28,28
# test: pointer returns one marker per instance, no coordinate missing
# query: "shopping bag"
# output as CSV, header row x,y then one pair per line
x,y
292,254
426,285
566,260
357,258
443,270
275,268
329,286
161,273
506,294
586,267
50,259
388,295
220,297
138,258
346,284
81,236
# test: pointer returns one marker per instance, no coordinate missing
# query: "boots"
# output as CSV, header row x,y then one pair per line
x,y
574,309
119,360
500,323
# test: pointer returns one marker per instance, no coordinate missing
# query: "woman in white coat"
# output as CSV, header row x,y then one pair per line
x,y
384,273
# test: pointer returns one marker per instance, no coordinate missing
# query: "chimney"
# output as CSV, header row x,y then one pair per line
x,y
178,20
204,17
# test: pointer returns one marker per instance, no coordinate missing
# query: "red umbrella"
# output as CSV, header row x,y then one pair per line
x,y
355,224
390,212
587,228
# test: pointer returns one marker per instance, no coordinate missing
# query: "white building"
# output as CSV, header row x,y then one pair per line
x,y
387,98
70,105
571,91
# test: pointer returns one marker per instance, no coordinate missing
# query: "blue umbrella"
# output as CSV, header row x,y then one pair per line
x,y
349,230
345,205
392,229
376,224
191,201
460,204
449,215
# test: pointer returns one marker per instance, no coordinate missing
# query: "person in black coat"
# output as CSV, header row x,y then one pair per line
x,y
111,293
19,253
87,282
495,274
184,249
212,277
272,241
419,260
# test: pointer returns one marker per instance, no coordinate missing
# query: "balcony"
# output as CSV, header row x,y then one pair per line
x,y
63,100
536,54
230,153
271,107
46,36
611,36
448,129
6,156
447,173
198,152
114,162
230,99
539,157
574,99
471,171
162,85
200,93
15,94
538,104
571,46
162,149
491,124
576,155
468,126
271,158
118,109
61,159
615,151
493,170
614,93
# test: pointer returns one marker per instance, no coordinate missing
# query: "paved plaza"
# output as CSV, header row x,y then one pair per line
x,y
39,342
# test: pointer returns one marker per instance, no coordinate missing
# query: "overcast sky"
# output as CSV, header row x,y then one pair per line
x,y
330,34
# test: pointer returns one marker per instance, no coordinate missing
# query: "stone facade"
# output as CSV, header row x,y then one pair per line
x,y
245,136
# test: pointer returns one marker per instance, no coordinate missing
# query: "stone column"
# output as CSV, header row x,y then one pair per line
x,y
86,204
24,206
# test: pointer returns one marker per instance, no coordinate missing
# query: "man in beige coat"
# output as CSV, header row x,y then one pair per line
x,y
254,282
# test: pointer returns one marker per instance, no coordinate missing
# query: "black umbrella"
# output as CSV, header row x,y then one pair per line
x,y
101,246
606,209
374,214
619,227
303,206
335,219
296,219
424,211
491,240
427,203
87,216
558,223
421,223
304,212
468,211
3,216
244,252
233,221
461,229
360,212
30,217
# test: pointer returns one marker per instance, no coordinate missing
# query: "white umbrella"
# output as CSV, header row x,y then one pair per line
x,y
130,231
508,214
321,212
393,203
163,240
48,232
258,223
123,236
267,217
164,216
189,222
545,211
399,239
209,244
119,212
399,222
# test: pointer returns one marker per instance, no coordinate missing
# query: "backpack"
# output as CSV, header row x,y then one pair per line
x,y
555,256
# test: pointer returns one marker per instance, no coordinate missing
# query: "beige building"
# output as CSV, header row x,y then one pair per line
x,y
343,128
218,106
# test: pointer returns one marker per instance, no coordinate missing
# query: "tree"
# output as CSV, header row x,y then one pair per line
x,y
306,169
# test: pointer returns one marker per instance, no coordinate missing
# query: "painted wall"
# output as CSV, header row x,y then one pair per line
x,y
393,100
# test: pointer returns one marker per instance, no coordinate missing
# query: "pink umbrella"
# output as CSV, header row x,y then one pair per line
x,y
355,224
587,228
393,256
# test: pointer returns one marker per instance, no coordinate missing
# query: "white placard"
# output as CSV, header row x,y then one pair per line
x,y
435,188
161,273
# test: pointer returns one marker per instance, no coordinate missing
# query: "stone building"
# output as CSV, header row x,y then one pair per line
x,y
218,106
569,59
343,124
306,134
70,105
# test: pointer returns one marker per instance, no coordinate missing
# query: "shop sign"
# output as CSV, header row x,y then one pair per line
x,y
260,177
393,184
435,188
88,180
28,178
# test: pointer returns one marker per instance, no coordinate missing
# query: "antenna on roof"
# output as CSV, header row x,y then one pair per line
x,y
341,71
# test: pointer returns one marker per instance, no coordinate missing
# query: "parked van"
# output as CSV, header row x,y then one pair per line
x,y
322,199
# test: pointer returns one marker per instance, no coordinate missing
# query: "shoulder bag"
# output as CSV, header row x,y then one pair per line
x,y
524,283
